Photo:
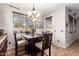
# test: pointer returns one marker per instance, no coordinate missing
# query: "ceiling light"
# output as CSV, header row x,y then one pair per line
x,y
33,14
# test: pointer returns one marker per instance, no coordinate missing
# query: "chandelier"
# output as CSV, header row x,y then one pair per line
x,y
33,14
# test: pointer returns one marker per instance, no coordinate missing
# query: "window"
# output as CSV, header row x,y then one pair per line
x,y
49,23
21,22
18,20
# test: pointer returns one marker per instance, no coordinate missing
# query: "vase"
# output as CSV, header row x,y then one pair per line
x,y
33,33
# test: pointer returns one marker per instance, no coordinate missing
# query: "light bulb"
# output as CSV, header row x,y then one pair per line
x,y
34,12
29,13
37,15
34,19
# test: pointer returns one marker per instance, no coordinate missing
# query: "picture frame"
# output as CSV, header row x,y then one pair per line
x,y
39,25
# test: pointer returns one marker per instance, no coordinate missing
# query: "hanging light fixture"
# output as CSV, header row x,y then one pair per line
x,y
34,15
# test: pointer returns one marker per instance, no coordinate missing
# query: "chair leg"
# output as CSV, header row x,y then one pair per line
x,y
42,53
50,51
25,48
16,52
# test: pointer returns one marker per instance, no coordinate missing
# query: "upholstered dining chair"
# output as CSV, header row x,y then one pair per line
x,y
45,43
20,43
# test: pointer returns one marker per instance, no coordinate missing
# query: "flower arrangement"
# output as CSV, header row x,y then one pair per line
x,y
32,29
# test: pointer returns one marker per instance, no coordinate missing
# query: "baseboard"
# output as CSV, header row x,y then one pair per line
x,y
10,48
59,46
67,45
62,46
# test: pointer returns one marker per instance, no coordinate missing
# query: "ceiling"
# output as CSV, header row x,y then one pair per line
x,y
43,8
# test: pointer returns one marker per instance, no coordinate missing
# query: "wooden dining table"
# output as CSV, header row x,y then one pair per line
x,y
32,40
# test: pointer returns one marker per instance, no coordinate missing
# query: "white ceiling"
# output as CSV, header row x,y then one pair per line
x,y
43,8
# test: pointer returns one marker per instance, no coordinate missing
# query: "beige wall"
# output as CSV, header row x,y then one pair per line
x,y
58,25
6,22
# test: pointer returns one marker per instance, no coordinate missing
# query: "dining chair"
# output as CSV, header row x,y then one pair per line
x,y
20,43
45,43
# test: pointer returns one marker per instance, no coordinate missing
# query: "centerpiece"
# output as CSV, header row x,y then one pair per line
x,y
33,30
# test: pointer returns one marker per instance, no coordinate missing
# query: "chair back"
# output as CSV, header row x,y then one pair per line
x,y
17,37
47,39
